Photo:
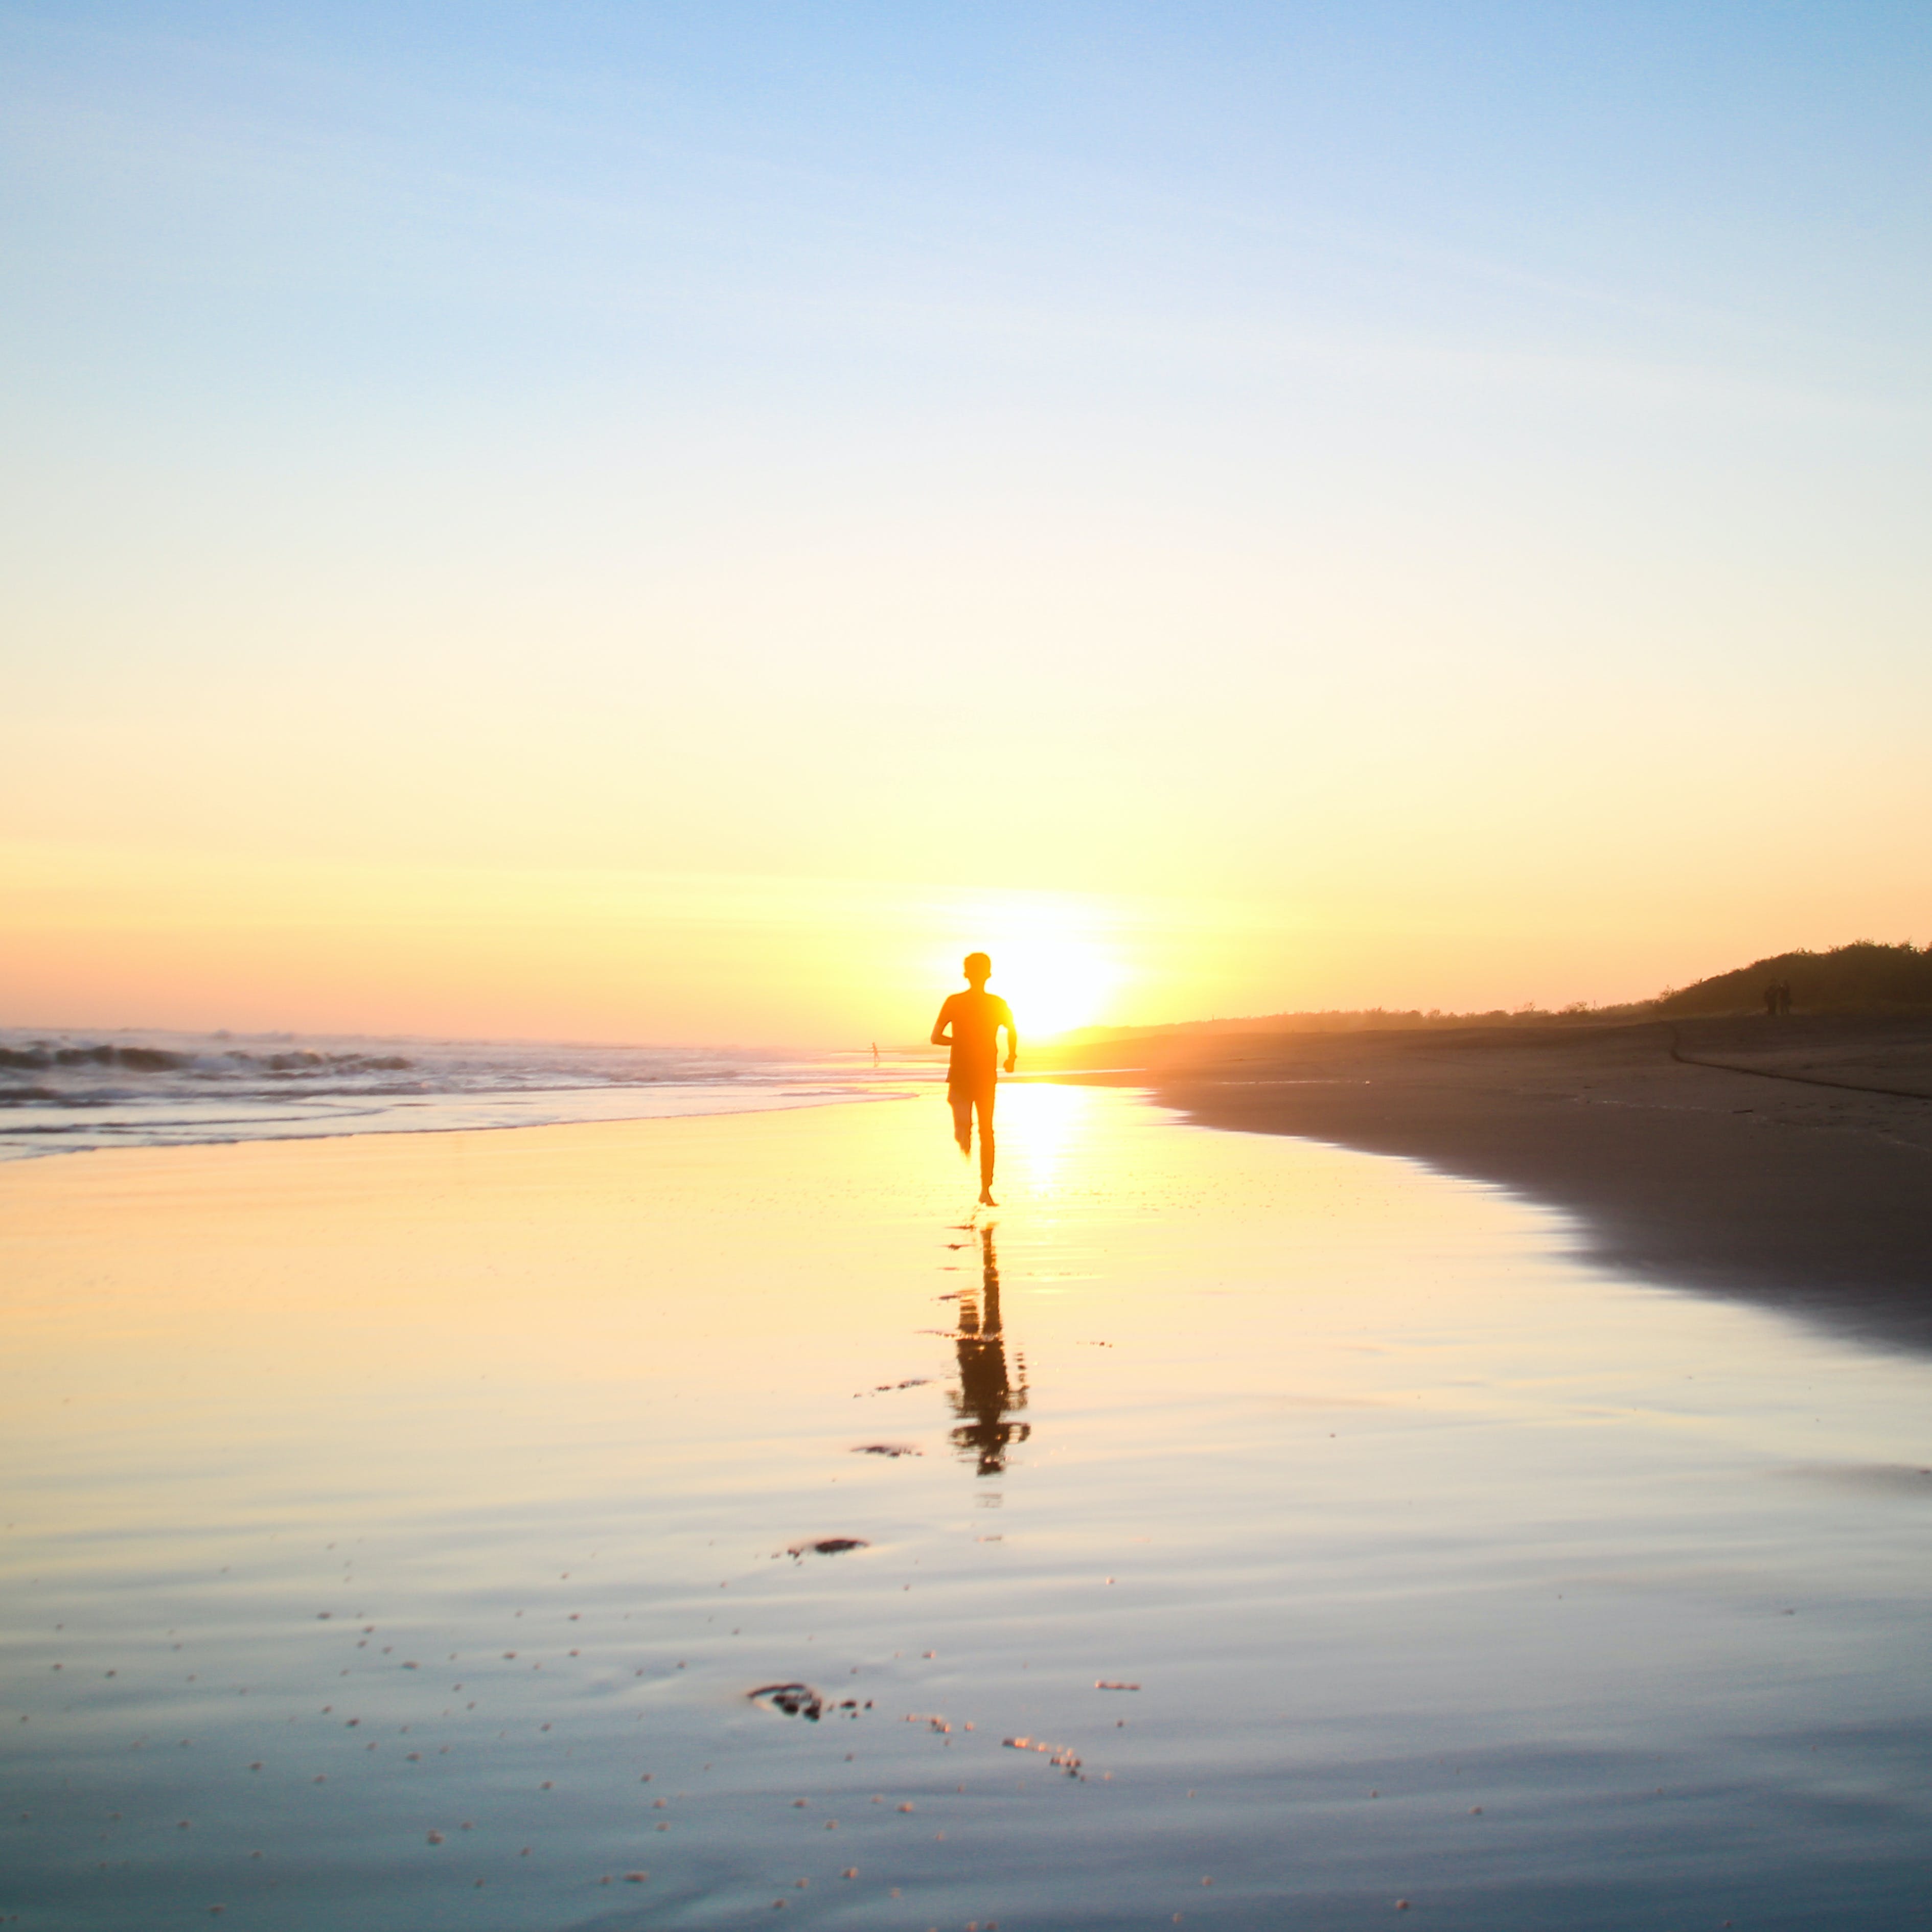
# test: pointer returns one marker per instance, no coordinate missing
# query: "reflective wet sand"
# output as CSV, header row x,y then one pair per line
x,y
1235,1528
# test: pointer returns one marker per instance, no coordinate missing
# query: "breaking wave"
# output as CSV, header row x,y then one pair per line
x,y
64,1092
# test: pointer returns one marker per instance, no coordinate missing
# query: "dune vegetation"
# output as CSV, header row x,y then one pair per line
x,y
1863,977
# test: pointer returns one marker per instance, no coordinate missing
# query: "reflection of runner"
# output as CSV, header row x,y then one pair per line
x,y
987,1395
976,1018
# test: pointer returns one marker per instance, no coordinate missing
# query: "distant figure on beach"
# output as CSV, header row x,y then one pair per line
x,y
875,1056
1777,997
976,1017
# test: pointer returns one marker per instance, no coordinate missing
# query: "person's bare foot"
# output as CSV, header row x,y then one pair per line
x,y
986,1198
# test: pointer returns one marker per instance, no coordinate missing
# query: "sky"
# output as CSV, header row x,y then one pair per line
x,y
672,523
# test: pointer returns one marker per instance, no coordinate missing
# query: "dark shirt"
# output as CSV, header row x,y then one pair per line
x,y
977,1019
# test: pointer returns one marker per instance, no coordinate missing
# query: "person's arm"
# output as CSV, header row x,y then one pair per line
x,y
1012,1040
940,1036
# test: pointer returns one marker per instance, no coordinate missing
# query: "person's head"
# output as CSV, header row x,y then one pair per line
x,y
978,969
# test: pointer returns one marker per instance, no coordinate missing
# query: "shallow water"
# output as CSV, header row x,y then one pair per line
x,y
418,1514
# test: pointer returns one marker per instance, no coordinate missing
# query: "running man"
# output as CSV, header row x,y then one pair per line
x,y
976,1018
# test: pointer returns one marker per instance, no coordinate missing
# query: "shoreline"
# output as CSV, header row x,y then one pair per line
x,y
17,1153
1786,1163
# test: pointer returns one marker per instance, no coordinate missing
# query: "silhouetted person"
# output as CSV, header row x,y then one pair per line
x,y
1771,998
985,1394
976,1018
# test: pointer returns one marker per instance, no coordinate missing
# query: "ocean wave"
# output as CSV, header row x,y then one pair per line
x,y
41,1056
64,1091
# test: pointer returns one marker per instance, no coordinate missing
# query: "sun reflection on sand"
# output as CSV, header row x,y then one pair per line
x,y
1045,1126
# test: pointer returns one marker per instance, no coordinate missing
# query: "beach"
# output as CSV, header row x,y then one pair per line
x,y
1786,1162
672,673
662,1523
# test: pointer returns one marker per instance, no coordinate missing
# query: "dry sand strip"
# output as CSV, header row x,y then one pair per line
x,y
1683,1164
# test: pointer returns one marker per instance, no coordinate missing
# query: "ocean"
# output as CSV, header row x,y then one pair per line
x,y
64,1092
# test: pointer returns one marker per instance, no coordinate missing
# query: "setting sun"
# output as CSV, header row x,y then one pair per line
x,y
1054,975
1059,985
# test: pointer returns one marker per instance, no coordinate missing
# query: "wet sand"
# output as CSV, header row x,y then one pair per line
x,y
651,1524
1788,1162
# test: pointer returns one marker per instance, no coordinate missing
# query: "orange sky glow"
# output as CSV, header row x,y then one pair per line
x,y
525,529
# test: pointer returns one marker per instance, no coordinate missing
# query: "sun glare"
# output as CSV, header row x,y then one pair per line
x,y
1053,980
1059,987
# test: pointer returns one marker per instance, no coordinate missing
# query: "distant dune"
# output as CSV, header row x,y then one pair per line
x,y
1863,977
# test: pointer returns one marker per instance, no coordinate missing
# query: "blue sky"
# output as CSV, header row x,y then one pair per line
x,y
1354,459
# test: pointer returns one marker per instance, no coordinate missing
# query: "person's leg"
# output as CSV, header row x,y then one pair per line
x,y
983,1104
962,1118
